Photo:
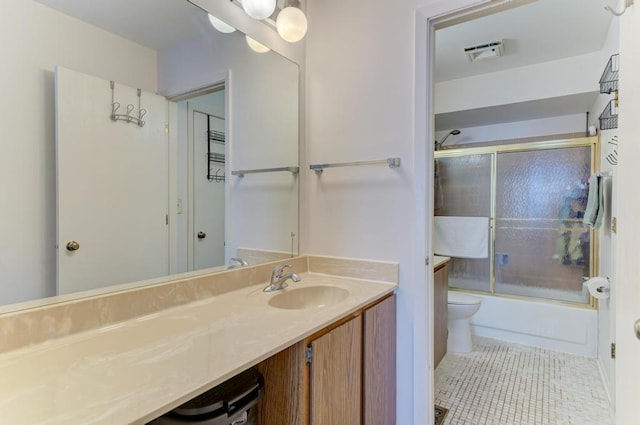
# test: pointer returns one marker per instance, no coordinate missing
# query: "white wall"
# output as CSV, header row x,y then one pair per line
x,y
564,77
35,39
514,130
360,91
263,131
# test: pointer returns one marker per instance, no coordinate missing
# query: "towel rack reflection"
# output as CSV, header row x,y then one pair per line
x,y
241,173
391,162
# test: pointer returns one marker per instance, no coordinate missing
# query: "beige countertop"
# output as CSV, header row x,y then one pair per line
x,y
135,370
439,260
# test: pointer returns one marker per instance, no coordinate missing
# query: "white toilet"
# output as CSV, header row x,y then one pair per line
x,y
460,308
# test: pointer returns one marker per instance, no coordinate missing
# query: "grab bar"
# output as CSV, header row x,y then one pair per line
x,y
241,173
391,162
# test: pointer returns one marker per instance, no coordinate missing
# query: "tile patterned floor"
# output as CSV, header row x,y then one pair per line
x,y
509,384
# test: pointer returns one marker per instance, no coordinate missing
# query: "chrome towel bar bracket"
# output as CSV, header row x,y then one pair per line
x,y
241,173
391,162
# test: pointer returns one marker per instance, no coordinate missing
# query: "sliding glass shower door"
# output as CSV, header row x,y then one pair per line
x,y
542,249
535,196
463,189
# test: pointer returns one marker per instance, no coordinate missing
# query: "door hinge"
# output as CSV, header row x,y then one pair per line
x,y
426,261
614,224
166,128
166,219
309,354
613,350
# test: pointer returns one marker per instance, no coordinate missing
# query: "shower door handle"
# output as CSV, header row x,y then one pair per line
x,y
636,328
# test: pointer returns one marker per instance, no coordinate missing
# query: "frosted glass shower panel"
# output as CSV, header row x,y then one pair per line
x,y
463,189
542,249
463,186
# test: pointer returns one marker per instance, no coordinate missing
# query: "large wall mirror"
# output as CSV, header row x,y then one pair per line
x,y
231,170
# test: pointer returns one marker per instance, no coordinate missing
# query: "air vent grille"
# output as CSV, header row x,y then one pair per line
x,y
485,51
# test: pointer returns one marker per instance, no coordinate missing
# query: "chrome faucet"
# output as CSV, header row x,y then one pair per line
x,y
240,263
279,280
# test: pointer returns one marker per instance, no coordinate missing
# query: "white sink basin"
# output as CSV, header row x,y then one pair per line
x,y
308,297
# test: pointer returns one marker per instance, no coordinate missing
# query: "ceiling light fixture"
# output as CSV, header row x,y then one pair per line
x,y
255,46
291,22
220,25
259,9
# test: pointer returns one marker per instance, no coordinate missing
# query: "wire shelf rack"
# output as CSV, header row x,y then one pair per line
x,y
609,79
609,117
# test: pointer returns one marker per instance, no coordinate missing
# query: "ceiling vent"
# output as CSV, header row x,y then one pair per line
x,y
484,51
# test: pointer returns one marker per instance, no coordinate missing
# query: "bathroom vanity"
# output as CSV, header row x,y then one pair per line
x,y
440,291
155,347
342,374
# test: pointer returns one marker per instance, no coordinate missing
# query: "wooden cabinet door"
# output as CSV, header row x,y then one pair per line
x,y
379,357
440,301
336,376
285,392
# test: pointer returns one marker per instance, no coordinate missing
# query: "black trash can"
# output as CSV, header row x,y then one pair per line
x,y
230,403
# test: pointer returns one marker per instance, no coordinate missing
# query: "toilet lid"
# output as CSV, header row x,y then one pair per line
x,y
456,297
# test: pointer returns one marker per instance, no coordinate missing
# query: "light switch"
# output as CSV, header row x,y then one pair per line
x,y
179,206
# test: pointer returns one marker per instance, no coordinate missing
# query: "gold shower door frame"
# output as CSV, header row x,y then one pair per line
x,y
494,150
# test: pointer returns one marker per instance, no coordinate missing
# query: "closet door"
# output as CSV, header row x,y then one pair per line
x,y
208,189
112,185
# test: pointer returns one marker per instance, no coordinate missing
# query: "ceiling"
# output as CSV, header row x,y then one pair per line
x,y
541,31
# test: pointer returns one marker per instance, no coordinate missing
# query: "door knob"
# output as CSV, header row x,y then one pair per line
x,y
636,327
73,246
202,235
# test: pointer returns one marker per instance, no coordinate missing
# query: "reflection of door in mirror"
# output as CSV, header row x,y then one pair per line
x,y
112,183
201,184
208,140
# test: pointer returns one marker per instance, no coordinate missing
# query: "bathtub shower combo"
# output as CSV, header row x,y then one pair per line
x,y
511,219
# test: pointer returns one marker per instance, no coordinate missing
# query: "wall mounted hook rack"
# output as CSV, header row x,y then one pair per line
x,y
128,117
627,3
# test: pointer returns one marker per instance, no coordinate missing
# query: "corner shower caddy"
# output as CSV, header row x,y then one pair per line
x,y
608,85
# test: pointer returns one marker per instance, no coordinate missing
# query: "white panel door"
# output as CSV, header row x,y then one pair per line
x,y
209,190
112,185
626,284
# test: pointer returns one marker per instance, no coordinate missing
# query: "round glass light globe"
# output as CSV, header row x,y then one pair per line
x,y
259,9
291,24
220,26
255,46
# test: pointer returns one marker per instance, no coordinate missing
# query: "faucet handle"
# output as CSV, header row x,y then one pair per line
x,y
280,267
240,261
